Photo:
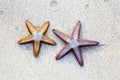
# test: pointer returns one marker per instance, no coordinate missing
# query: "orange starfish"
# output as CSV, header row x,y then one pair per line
x,y
36,36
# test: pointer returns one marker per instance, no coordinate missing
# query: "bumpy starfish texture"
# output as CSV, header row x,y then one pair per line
x,y
73,43
36,36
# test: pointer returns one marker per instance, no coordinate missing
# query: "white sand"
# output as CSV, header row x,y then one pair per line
x,y
100,21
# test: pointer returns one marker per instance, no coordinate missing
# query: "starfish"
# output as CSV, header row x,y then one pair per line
x,y
36,36
73,43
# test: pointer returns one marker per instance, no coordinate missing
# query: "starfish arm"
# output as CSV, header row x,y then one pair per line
x,y
26,39
63,36
83,42
30,27
48,40
76,30
63,52
78,55
44,27
36,48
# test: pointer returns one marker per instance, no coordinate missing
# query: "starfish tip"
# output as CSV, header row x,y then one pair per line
x,y
19,42
97,43
79,22
26,20
53,30
48,22
54,43
81,63
57,58
36,55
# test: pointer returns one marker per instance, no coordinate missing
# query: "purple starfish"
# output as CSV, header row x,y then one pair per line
x,y
73,43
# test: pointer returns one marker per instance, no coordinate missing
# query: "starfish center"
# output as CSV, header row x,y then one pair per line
x,y
37,36
73,42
